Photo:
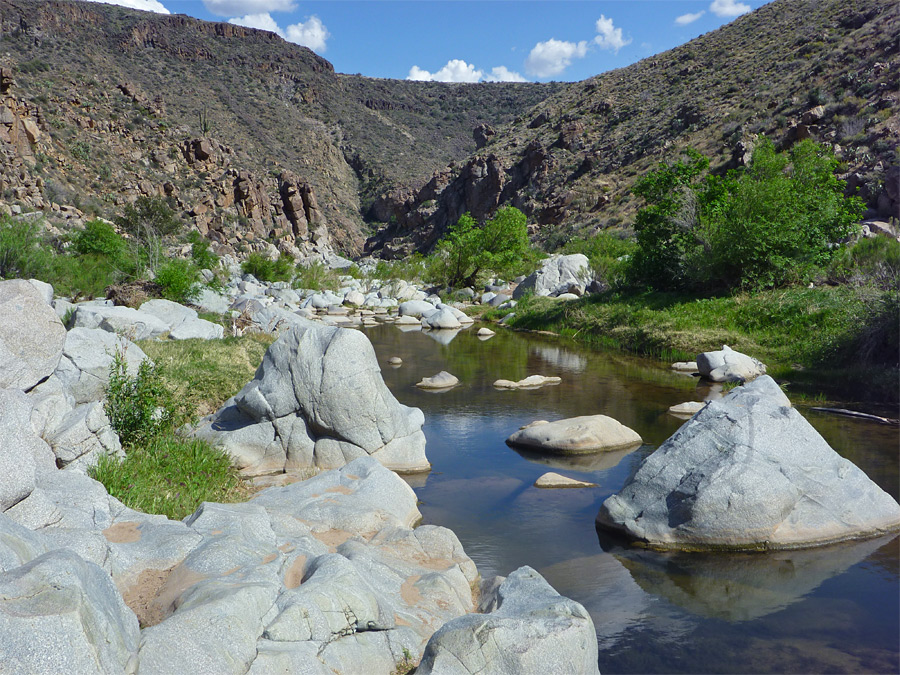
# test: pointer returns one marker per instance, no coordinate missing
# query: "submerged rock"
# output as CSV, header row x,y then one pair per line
x,y
529,628
530,382
317,399
727,365
686,409
576,435
555,480
748,472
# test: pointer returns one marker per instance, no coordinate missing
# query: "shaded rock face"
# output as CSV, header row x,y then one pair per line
x,y
317,399
528,628
748,472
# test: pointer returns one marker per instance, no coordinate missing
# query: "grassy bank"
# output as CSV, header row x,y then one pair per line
x,y
839,340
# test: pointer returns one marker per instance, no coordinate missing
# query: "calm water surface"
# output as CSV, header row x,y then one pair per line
x,y
826,610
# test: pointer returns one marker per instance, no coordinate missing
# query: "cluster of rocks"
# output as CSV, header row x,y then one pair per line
x,y
325,575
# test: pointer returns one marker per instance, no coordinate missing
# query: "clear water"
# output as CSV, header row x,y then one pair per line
x,y
826,610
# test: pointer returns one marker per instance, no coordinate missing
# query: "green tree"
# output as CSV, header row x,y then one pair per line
x,y
467,251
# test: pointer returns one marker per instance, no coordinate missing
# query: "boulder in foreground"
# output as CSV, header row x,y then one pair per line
x,y
748,472
529,628
576,435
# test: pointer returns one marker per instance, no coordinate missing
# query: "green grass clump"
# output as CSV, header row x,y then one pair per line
x,y
316,276
170,476
265,269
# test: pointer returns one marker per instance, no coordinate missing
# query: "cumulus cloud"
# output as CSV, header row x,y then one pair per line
x,y
609,37
248,7
553,56
146,5
685,19
456,70
503,74
728,8
312,33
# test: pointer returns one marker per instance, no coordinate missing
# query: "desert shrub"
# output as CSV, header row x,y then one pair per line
x,y
179,279
201,255
609,255
316,276
82,276
21,253
148,216
99,238
468,251
266,269
139,407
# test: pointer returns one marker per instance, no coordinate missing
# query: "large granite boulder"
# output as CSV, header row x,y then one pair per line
x,y
727,365
31,335
528,628
748,472
22,453
317,399
576,435
556,274
87,356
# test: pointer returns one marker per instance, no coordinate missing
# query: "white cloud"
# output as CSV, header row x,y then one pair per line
x,y
685,19
312,34
553,56
456,70
609,37
248,7
146,5
503,74
728,8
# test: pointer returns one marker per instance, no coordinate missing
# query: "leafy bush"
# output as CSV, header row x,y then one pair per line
x,y
609,255
201,255
775,223
148,217
82,276
99,238
265,269
139,407
21,254
467,251
180,280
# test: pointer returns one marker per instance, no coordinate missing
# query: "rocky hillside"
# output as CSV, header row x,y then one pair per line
x,y
793,69
251,137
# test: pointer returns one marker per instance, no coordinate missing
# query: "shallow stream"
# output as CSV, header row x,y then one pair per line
x,y
827,610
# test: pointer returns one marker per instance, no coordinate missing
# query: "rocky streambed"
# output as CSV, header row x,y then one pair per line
x,y
331,573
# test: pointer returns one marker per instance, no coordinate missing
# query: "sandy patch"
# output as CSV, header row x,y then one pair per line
x,y
126,532
295,572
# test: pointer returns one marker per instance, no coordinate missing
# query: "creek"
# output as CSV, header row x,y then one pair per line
x,y
831,609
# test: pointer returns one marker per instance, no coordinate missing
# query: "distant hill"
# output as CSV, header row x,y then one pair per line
x,y
827,69
229,122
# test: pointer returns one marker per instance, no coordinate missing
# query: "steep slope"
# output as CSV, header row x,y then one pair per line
x,y
792,69
232,123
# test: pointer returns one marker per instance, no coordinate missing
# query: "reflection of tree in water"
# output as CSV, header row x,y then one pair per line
x,y
737,586
562,359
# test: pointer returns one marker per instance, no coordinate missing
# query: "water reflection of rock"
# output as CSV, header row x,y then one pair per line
x,y
444,336
597,461
737,586
561,358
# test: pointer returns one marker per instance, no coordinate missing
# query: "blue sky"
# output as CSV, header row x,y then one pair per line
x,y
472,40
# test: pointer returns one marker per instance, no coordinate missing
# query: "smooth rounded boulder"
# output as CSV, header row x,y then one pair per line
x,y
748,472
727,365
31,335
576,435
443,380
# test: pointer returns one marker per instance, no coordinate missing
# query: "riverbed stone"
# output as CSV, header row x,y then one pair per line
x,y
485,333
31,335
125,321
685,366
87,356
443,380
528,628
60,614
555,480
748,472
727,365
576,435
443,318
530,382
315,383
686,409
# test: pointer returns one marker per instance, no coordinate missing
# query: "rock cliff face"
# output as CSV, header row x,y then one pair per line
x,y
790,70
232,124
